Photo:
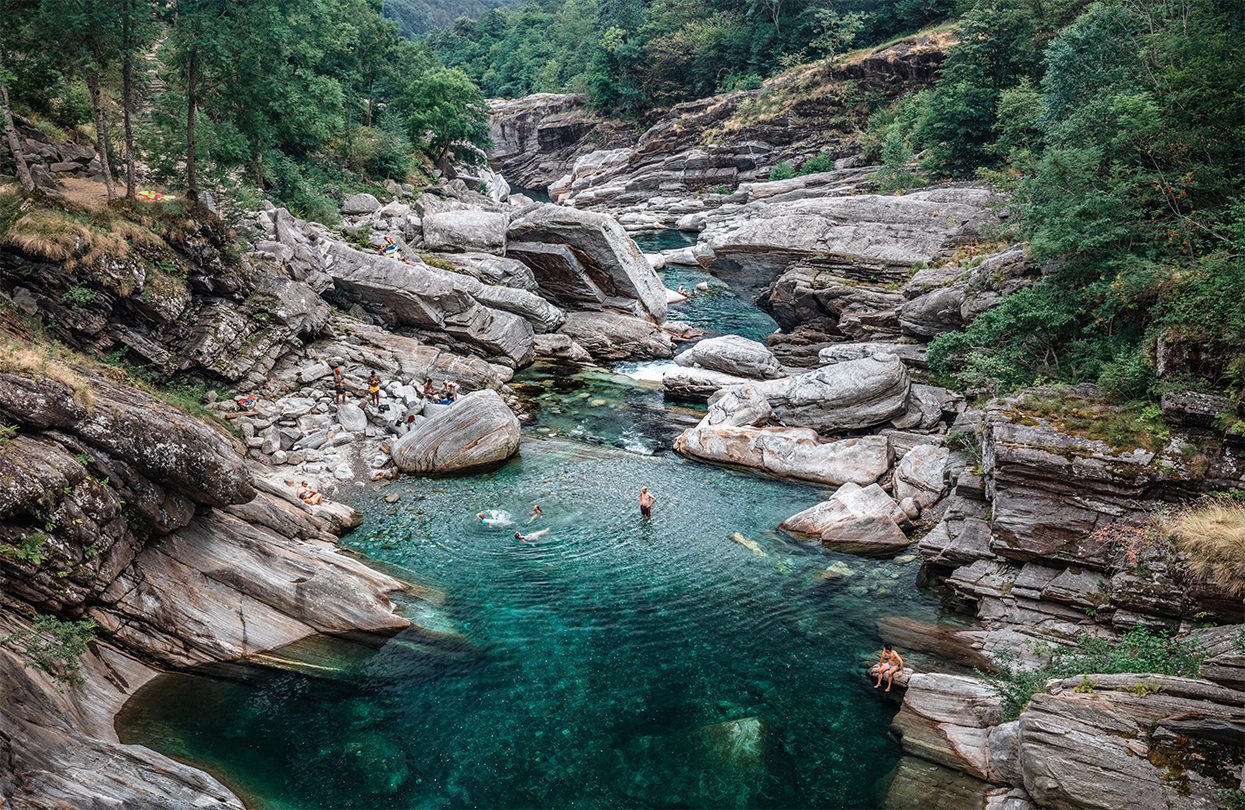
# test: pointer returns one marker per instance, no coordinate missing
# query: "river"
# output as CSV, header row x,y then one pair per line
x,y
613,662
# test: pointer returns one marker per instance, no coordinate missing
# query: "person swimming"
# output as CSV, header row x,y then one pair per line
x,y
524,538
536,514
494,518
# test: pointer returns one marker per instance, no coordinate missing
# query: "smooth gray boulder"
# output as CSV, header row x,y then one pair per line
x,y
787,452
351,417
360,204
614,336
734,355
480,231
609,253
424,297
477,431
855,520
911,353
845,396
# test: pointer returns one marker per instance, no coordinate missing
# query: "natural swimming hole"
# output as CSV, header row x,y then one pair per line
x,y
615,663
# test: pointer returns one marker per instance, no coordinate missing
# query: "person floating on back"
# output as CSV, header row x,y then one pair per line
x,y
647,499
524,538
889,665
536,513
373,389
339,386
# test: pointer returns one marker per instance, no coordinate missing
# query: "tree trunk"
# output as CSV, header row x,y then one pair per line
x,y
101,134
127,97
192,103
15,145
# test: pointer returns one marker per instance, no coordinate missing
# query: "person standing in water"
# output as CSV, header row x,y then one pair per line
x,y
647,499
889,665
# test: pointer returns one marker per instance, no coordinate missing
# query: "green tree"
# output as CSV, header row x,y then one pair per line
x,y
446,108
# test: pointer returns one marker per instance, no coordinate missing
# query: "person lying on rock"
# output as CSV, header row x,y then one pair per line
x,y
889,665
373,389
309,496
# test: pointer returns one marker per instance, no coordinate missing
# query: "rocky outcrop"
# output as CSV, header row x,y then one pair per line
x,y
535,139
417,296
614,336
788,452
477,431
944,299
611,259
456,231
855,520
120,508
845,396
947,719
48,159
733,355
697,384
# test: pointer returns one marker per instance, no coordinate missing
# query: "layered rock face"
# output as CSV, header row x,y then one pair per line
x,y
700,145
117,507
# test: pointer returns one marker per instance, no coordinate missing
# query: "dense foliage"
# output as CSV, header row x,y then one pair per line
x,y
295,98
1136,651
633,55
1118,127
416,17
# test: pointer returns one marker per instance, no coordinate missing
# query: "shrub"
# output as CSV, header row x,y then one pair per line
x,y
739,81
1137,651
1128,376
783,171
53,645
823,162
78,296
1212,536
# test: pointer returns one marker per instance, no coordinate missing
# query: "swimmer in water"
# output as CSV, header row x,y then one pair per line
x,y
536,513
647,499
523,538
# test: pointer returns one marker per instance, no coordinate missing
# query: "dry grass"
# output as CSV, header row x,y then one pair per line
x,y
43,362
77,239
1212,536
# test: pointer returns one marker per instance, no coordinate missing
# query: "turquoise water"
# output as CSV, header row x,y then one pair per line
x,y
700,659
595,667
719,312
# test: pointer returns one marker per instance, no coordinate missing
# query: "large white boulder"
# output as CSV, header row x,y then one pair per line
x,y
845,396
477,431
482,231
855,519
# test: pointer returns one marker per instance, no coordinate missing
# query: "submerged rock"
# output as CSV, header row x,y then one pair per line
x,y
477,431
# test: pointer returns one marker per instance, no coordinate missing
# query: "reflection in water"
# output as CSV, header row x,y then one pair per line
x,y
615,662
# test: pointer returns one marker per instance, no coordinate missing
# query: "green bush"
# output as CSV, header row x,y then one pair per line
x,y
53,645
1129,375
783,171
823,162
1137,651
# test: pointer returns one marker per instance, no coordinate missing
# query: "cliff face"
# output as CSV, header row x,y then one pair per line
x,y
554,140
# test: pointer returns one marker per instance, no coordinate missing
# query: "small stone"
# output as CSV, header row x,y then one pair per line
x,y
392,498
837,569
280,457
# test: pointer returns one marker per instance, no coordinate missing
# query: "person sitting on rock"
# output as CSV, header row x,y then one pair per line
x,y
889,665
429,390
453,389
309,496
339,386
373,389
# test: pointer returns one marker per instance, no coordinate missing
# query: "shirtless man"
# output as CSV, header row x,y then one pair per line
x,y
889,665
339,386
647,499
309,496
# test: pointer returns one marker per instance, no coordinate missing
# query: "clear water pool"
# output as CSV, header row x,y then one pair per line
x,y
615,662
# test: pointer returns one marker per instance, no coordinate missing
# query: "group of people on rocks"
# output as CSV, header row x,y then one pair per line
x,y
446,395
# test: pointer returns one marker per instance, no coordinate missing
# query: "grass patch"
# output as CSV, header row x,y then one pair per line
x,y
1124,427
440,263
1212,537
1137,651
44,361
